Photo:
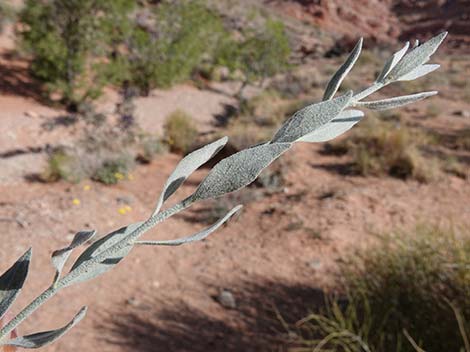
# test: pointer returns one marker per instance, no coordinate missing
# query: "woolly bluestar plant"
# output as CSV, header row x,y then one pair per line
x,y
317,122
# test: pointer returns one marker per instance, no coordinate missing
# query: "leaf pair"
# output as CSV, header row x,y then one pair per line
x,y
86,267
11,283
186,167
242,168
401,67
59,257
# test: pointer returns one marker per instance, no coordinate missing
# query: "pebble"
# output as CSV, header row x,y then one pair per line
x,y
31,114
226,299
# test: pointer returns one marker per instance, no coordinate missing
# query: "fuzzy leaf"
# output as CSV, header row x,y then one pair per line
x,y
395,102
238,170
308,119
60,256
42,339
392,62
416,57
338,77
196,237
12,281
419,72
186,167
340,124
99,247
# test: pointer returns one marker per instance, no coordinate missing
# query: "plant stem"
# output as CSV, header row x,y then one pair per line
x,y
368,91
62,283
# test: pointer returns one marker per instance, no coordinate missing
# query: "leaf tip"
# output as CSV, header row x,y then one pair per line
x,y
237,208
28,254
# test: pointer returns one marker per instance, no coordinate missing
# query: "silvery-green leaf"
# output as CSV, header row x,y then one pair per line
x,y
340,124
238,170
419,72
60,256
12,281
186,167
395,102
98,247
392,61
42,339
338,77
416,57
196,237
310,118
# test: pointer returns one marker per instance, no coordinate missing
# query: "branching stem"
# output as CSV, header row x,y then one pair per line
x,y
62,283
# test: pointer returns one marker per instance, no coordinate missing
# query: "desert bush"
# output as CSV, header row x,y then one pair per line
x,y
68,41
315,123
265,109
433,110
259,54
410,285
113,170
61,166
257,118
169,50
453,166
462,140
6,14
150,146
180,132
380,148
243,135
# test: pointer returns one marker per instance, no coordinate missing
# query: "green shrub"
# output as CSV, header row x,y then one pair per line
x,y
113,170
68,41
61,166
184,34
6,14
180,132
150,146
260,54
413,284
266,109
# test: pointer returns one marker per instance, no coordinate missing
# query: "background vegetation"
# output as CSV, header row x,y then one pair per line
x,y
77,47
409,292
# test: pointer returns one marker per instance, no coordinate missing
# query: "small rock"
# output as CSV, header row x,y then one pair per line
x,y
31,114
132,301
315,264
226,299
124,200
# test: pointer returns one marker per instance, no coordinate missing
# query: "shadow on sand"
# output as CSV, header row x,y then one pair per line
x,y
263,320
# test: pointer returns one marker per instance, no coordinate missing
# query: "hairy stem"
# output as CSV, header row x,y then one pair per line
x,y
62,283
368,91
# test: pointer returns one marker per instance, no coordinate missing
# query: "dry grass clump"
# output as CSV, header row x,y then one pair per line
x,y
258,118
462,139
105,154
180,132
381,148
243,135
411,288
